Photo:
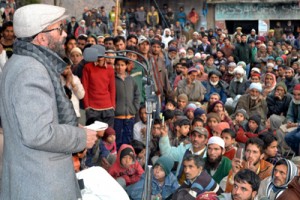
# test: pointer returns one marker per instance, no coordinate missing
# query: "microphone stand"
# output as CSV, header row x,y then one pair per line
x,y
150,108
96,51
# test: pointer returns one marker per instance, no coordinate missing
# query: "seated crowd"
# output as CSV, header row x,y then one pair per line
x,y
226,122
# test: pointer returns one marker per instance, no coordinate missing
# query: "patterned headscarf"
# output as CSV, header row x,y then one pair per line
x,y
292,171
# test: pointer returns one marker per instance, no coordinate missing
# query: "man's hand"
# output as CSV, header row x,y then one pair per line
x,y
143,131
250,165
91,138
236,165
164,130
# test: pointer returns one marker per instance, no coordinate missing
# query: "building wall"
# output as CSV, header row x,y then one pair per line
x,y
75,7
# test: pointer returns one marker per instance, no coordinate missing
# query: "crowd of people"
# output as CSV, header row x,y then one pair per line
x,y
226,124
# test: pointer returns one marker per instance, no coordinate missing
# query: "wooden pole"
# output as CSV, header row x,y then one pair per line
x,y
116,18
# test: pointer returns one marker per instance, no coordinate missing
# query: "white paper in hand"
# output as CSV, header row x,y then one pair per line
x,y
97,126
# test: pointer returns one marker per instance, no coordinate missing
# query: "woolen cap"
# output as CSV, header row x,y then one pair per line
x,y
283,85
32,19
297,87
243,112
183,97
198,112
166,163
256,119
127,152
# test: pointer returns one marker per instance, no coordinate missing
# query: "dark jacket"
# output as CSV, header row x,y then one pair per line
x,y
293,191
243,52
219,88
237,88
127,96
276,106
71,31
208,49
260,106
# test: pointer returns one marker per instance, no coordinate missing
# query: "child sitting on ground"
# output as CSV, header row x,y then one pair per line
x,y
126,170
213,120
109,140
140,151
240,119
164,183
228,135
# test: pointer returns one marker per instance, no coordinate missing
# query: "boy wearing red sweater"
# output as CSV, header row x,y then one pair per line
x,y
98,81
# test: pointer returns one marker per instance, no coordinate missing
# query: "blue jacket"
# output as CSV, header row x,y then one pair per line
x,y
170,186
214,89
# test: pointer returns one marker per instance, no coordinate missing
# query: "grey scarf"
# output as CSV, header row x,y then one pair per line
x,y
55,66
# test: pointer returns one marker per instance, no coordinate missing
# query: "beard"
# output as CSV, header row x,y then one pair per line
x,y
57,46
212,163
178,72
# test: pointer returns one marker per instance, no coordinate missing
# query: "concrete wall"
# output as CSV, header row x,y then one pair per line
x,y
75,7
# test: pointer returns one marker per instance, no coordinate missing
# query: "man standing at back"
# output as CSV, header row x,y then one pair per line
x,y
39,122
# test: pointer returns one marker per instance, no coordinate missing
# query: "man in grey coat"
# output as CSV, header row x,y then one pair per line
x,y
40,126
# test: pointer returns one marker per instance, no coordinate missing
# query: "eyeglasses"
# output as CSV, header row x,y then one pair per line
x,y
60,29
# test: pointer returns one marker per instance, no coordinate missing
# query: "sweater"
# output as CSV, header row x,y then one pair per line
x,y
204,182
99,85
222,170
264,172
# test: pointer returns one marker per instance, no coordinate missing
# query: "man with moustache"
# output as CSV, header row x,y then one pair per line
x,y
253,160
283,173
279,101
293,119
246,185
197,180
290,79
40,125
217,165
253,102
197,147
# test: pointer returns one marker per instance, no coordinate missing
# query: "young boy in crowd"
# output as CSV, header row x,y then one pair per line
x,y
213,120
169,116
217,130
189,111
170,104
200,113
140,151
164,183
139,128
109,141
228,135
182,129
127,103
252,129
240,119
126,170
154,142
197,123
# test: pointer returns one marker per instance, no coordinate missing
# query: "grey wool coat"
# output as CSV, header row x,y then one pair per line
x,y
37,161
